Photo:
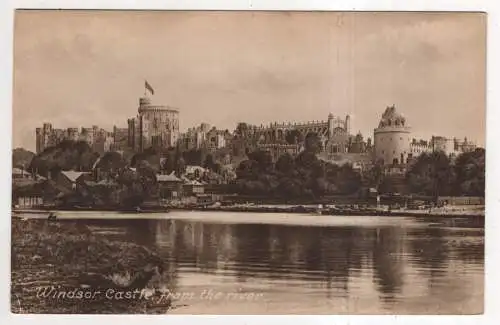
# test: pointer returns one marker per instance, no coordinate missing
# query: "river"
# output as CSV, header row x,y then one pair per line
x,y
239,263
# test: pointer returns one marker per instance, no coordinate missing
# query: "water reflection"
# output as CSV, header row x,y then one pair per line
x,y
400,263
388,252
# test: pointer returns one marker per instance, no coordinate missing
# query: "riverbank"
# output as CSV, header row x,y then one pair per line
x,y
65,268
473,211
450,211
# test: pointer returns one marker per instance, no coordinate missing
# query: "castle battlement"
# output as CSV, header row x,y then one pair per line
x,y
158,108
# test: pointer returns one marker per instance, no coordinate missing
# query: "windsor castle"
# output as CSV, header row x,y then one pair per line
x,y
157,126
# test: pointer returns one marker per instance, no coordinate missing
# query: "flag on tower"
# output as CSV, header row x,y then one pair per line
x,y
148,87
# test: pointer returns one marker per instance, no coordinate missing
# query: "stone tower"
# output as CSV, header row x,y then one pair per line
x,y
392,138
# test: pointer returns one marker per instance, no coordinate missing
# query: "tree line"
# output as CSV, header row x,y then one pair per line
x,y
436,174
305,176
79,156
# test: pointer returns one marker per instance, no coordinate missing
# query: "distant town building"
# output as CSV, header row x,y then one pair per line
x,y
170,186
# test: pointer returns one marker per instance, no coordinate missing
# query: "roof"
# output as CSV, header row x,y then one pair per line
x,y
167,178
19,171
194,182
392,117
72,175
192,168
107,182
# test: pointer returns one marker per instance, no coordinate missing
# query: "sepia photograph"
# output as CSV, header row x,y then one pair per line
x,y
248,162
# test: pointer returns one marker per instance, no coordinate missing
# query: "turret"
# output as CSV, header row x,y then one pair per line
x,y
143,102
330,125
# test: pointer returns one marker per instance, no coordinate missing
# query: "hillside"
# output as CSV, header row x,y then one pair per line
x,y
76,155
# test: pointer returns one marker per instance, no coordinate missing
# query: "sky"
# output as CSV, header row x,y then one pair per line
x,y
84,68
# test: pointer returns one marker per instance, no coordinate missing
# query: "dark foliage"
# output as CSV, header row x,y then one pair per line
x,y
76,155
21,158
470,174
434,174
306,176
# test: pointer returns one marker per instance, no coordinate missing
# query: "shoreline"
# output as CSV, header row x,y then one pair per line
x,y
369,212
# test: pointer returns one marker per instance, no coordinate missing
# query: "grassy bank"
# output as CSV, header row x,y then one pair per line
x,y
66,257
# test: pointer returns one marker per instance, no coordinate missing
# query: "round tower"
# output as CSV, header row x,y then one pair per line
x,y
392,138
158,125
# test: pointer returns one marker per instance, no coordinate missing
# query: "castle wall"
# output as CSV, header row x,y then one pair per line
x,y
334,132
419,148
277,150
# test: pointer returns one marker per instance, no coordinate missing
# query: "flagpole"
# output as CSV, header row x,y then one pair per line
x,y
145,88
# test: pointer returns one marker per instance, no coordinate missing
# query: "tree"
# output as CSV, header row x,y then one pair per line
x,y
306,159
21,158
375,174
306,177
285,163
209,162
77,155
168,163
137,186
247,170
181,167
312,143
242,129
349,181
179,163
263,158
111,161
431,174
294,137
470,173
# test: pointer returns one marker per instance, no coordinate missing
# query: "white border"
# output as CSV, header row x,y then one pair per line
x,y
493,152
